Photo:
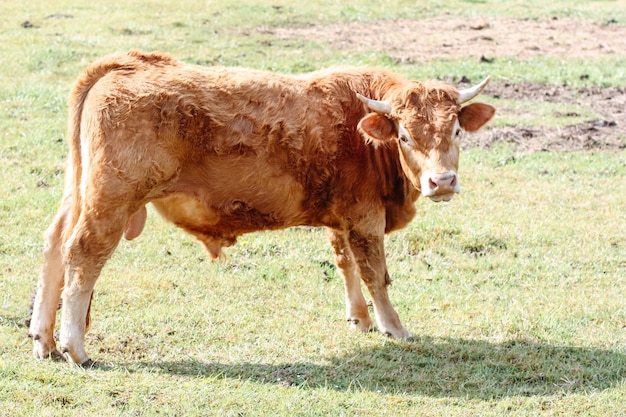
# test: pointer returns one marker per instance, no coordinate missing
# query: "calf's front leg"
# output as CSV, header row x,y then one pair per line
x,y
356,306
369,252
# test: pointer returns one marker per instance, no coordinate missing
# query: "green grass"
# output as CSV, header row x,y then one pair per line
x,y
514,290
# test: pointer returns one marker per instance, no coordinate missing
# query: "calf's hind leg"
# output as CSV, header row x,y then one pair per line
x,y
49,288
93,240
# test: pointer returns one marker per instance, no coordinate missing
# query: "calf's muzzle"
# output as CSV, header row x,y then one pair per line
x,y
440,186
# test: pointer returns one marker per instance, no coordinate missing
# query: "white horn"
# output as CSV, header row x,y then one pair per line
x,y
383,106
468,94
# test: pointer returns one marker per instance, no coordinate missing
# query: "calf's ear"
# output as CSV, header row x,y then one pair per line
x,y
474,116
377,128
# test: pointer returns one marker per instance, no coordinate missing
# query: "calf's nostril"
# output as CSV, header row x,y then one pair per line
x,y
432,184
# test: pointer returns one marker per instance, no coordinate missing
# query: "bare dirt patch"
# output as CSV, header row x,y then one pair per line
x,y
606,132
447,37
412,41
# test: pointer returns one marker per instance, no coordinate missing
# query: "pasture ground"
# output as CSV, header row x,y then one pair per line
x,y
514,290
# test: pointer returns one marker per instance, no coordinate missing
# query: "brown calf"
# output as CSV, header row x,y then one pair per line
x,y
225,151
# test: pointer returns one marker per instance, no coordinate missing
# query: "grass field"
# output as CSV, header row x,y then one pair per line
x,y
515,290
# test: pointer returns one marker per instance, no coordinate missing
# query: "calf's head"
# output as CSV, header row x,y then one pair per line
x,y
426,120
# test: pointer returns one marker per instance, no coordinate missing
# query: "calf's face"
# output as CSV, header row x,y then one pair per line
x,y
427,120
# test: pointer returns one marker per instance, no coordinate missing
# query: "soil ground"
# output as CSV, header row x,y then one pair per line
x,y
607,132
445,37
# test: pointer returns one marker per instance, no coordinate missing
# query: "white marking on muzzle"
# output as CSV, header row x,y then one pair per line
x,y
440,186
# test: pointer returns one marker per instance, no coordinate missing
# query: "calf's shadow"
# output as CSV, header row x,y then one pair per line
x,y
441,367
